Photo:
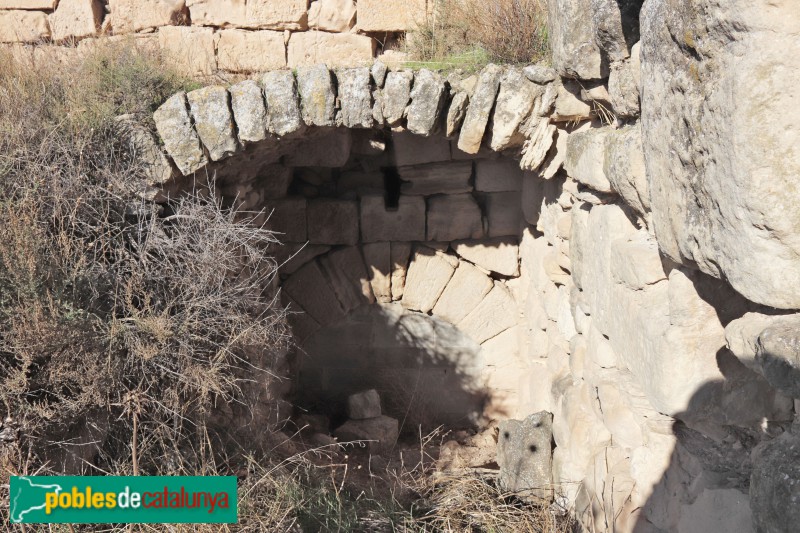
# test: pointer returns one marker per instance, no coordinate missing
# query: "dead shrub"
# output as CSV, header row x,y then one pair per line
x,y
465,33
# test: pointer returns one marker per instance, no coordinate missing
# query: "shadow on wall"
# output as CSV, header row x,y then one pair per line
x,y
427,371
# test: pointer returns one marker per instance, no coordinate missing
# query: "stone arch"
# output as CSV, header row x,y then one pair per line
x,y
447,250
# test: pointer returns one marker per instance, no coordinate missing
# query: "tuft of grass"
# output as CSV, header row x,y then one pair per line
x,y
468,34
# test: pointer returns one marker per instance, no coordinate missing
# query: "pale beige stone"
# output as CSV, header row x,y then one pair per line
x,y
493,315
400,255
481,103
213,120
174,126
463,292
249,112
500,255
23,26
348,276
332,15
428,275
309,288
254,14
134,15
377,257
391,15
515,102
190,50
250,51
75,19
333,49
585,158
29,4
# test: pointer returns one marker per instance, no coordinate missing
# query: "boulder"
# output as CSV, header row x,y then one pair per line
x,y
317,95
436,178
355,98
396,95
250,51
742,335
428,96
539,74
364,405
213,121
333,49
249,112
525,456
480,107
283,110
723,199
332,221
568,104
149,155
380,434
180,140
405,223
454,216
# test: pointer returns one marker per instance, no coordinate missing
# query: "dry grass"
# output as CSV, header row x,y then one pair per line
x,y
469,33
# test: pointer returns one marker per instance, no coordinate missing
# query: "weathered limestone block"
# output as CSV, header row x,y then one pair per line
x,y
333,49
363,405
636,263
396,95
249,112
624,167
46,5
496,313
537,145
333,221
532,196
411,149
377,257
623,89
391,15
377,108
426,279
254,14
498,175
539,74
317,96
525,456
436,178
135,15
504,213
515,101
75,19
464,291
149,155
618,417
20,26
585,159
287,216
480,107
456,113
616,26
332,15
572,40
452,217
348,276
775,484
568,105
723,199
320,147
291,256
379,433
213,121
301,323
500,255
401,254
428,96
309,288
778,355
378,72
250,51
742,334
405,223
283,110
180,140
355,98
190,50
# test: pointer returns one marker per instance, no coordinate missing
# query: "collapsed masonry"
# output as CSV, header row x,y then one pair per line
x,y
585,280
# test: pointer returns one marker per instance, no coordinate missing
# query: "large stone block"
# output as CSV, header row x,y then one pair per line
x,y
333,221
250,51
213,121
283,109
625,169
498,175
391,15
453,217
333,49
332,15
46,5
585,159
723,200
135,15
348,276
380,434
400,254
427,99
525,456
480,107
190,50
317,96
404,223
355,98
500,255
319,147
515,101
309,288
456,113
363,405
493,315
288,218
75,19
180,140
254,14
436,178
20,26
572,40
428,275
504,213
249,112
410,149
377,257
396,95
463,292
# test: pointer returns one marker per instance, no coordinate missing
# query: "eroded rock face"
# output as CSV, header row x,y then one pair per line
x,y
721,141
